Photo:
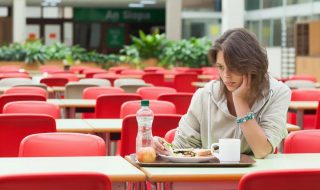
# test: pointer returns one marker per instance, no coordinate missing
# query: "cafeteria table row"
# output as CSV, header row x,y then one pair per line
x,y
122,173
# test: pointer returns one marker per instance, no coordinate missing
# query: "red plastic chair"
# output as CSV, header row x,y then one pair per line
x,y
14,75
54,81
181,100
303,77
182,82
152,69
305,141
6,98
108,106
55,181
38,107
157,106
10,68
94,92
26,89
295,179
62,144
132,72
304,95
109,76
69,76
117,69
169,136
161,124
14,127
152,93
157,79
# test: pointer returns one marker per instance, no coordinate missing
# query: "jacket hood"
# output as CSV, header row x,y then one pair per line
x,y
221,102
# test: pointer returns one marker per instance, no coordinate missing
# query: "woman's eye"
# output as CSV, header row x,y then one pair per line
x,y
220,67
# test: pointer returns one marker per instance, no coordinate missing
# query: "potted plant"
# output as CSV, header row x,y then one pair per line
x,y
28,55
146,49
191,52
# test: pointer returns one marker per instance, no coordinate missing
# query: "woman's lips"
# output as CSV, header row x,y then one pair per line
x,y
229,83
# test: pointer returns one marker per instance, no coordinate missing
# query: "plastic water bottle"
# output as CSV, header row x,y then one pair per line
x,y
144,140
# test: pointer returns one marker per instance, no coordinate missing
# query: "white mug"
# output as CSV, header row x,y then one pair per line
x,y
229,150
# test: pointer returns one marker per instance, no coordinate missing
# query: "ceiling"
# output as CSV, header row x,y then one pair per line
x,y
89,3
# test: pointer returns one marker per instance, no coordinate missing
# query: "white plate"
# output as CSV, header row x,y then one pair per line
x,y
187,159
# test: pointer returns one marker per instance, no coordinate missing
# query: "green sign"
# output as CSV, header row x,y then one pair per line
x,y
119,15
115,37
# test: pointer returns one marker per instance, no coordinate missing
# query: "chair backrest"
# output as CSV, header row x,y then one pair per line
x,y
182,82
109,76
6,98
74,90
120,82
14,127
26,89
157,106
293,179
295,84
54,81
152,93
305,95
169,136
69,76
54,181
304,77
161,124
181,100
96,81
62,144
94,92
132,88
117,69
14,75
304,141
38,107
157,79
15,81
43,86
317,121
108,106
132,72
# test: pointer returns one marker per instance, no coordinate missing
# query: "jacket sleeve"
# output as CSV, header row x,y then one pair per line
x,y
274,118
188,131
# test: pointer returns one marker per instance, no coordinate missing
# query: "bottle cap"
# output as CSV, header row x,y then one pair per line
x,y
144,102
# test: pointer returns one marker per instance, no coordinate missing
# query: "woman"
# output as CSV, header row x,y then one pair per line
x,y
246,103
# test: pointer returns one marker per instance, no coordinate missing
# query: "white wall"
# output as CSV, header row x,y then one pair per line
x,y
274,58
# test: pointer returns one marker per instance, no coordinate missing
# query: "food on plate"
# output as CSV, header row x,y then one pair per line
x,y
184,153
203,152
189,152
146,154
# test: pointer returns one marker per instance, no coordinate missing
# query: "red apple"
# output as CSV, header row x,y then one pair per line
x,y
146,154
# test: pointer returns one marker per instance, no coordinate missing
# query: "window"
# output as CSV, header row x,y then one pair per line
x,y
277,32
252,4
272,3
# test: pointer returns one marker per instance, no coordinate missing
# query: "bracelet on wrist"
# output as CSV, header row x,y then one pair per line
x,y
248,116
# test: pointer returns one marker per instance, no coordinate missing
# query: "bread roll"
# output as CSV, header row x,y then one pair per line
x,y
202,152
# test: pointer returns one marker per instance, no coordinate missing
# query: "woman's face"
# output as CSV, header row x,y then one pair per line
x,y
231,79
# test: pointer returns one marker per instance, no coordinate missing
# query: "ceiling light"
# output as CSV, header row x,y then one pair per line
x,y
148,2
136,5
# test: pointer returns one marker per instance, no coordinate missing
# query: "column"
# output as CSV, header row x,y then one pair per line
x,y
173,19
19,20
232,14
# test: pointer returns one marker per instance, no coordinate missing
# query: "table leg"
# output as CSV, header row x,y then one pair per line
x,y
300,114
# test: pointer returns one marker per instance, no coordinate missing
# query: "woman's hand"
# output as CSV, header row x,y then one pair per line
x,y
159,147
241,93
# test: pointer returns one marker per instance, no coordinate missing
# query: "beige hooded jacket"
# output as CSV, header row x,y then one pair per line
x,y
209,119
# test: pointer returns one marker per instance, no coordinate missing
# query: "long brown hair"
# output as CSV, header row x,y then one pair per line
x,y
243,54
